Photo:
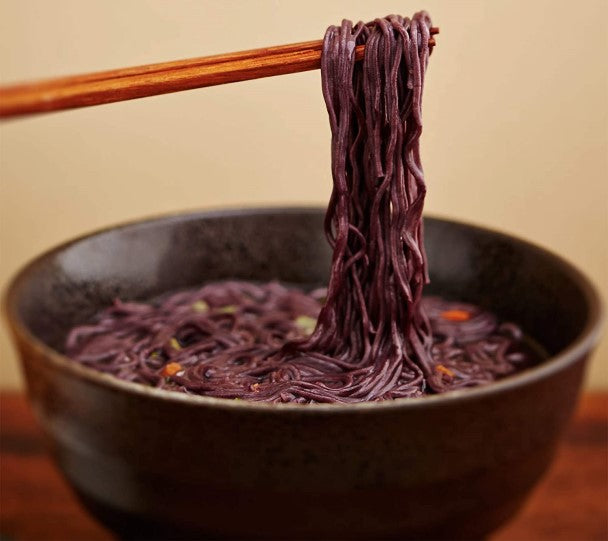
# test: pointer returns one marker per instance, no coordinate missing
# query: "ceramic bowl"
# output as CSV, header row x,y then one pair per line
x,y
155,464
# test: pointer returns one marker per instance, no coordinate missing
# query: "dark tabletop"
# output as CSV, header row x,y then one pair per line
x,y
571,502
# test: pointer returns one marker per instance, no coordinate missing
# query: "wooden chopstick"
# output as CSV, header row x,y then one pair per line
x,y
154,79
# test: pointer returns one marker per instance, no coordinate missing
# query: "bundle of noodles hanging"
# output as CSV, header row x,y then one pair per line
x,y
372,318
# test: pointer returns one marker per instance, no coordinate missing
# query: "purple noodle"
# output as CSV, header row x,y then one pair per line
x,y
373,337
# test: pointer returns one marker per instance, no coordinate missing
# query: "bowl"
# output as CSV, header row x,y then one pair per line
x,y
154,464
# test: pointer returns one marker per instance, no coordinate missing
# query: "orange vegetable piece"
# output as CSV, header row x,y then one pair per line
x,y
456,315
444,370
171,369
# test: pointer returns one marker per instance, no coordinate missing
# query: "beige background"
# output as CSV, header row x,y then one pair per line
x,y
515,116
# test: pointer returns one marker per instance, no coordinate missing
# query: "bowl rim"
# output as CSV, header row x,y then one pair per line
x,y
583,344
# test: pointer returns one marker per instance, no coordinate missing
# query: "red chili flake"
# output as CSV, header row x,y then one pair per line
x,y
456,315
171,369
444,370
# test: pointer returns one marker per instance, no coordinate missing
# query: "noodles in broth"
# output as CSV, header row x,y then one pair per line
x,y
370,335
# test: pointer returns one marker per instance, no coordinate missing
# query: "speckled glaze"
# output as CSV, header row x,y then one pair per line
x,y
153,464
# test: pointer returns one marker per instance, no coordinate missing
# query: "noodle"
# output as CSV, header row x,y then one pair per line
x,y
227,339
373,337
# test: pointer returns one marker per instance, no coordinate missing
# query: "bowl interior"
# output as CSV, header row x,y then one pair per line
x,y
523,283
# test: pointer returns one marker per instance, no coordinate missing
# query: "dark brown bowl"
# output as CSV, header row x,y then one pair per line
x,y
151,463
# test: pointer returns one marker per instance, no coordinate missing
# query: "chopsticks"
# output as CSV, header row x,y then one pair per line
x,y
153,79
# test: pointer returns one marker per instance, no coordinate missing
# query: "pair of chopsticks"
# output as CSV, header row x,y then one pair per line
x,y
153,79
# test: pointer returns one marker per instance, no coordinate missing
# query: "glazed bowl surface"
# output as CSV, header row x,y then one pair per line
x,y
155,464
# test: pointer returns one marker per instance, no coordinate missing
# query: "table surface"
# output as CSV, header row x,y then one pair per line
x,y
569,504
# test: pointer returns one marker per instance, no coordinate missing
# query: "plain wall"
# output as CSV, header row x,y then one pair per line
x,y
515,122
